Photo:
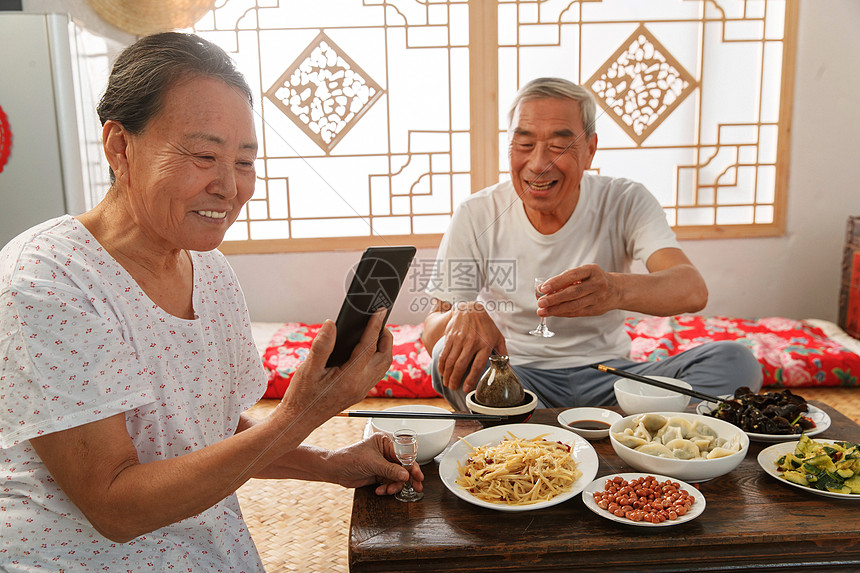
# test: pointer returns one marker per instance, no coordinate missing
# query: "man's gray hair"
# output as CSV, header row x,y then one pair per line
x,y
558,88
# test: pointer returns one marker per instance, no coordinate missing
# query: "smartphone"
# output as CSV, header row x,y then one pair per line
x,y
376,283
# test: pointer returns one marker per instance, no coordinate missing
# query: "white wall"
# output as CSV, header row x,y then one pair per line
x,y
797,275
309,287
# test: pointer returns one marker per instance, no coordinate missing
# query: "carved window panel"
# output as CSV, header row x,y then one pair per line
x,y
324,92
377,117
640,84
362,112
694,97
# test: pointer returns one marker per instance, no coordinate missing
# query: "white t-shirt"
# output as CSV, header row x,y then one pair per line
x,y
492,253
79,342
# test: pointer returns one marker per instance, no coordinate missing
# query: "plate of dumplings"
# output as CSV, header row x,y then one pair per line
x,y
685,446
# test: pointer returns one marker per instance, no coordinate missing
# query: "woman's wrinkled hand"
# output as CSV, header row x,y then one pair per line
x,y
372,461
322,392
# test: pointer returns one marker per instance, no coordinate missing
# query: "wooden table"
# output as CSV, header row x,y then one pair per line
x,y
751,521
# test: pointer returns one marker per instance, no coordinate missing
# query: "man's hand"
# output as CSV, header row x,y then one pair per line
x,y
584,291
671,286
470,338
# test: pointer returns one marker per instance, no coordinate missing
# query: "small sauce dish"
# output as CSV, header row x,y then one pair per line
x,y
590,423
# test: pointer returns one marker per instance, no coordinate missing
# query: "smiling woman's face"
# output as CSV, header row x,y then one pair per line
x,y
548,154
192,169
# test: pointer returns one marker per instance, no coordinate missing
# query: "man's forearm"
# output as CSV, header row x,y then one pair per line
x,y
434,328
435,324
675,290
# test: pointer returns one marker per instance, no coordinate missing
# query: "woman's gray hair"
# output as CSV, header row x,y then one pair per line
x,y
558,88
146,70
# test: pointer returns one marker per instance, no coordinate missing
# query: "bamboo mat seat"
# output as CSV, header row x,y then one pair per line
x,y
304,526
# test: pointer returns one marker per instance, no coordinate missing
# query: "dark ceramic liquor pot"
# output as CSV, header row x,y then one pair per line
x,y
499,386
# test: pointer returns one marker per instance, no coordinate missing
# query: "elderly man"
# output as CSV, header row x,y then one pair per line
x,y
582,232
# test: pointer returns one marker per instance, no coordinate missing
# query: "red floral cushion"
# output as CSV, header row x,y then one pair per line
x,y
408,377
792,353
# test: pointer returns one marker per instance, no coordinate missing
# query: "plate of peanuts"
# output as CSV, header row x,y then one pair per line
x,y
646,500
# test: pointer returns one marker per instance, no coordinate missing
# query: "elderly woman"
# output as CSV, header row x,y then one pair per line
x,y
127,356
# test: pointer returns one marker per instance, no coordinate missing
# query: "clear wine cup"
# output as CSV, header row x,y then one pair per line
x,y
541,329
406,450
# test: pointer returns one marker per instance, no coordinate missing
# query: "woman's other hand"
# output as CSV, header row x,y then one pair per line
x,y
319,392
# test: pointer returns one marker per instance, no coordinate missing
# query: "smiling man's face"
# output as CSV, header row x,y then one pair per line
x,y
548,154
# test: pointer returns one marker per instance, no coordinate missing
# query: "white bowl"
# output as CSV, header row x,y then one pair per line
x,y
686,470
600,415
637,397
515,414
433,435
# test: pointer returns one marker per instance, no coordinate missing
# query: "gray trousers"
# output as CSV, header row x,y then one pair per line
x,y
714,368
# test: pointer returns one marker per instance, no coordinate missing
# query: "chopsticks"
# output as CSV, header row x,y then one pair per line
x,y
418,415
657,383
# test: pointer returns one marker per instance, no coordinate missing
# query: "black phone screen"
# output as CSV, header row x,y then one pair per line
x,y
376,283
